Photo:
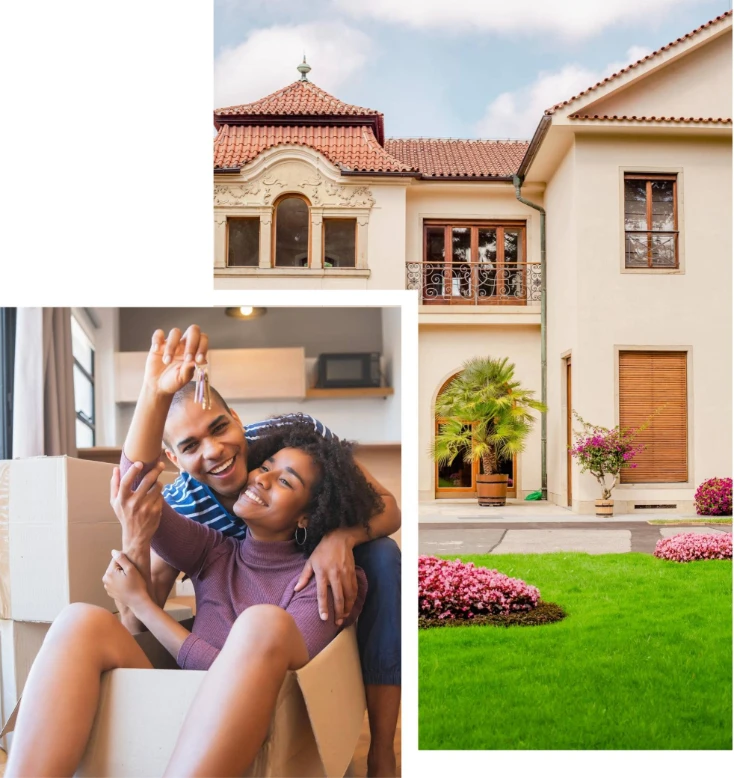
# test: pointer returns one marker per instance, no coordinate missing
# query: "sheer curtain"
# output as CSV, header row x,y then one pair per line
x,y
44,416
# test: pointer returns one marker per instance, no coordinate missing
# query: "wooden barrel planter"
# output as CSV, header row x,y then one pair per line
x,y
604,507
492,489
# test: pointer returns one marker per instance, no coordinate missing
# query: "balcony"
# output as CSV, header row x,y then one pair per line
x,y
474,283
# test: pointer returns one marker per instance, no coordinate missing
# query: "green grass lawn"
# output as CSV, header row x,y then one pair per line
x,y
642,661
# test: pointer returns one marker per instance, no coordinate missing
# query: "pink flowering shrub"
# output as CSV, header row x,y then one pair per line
x,y
713,497
454,590
689,546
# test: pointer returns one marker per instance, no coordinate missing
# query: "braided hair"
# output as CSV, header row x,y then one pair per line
x,y
342,496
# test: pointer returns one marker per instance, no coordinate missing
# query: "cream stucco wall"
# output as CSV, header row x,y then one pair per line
x,y
442,351
698,84
611,309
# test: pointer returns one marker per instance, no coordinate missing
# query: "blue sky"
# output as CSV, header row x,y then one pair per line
x,y
442,68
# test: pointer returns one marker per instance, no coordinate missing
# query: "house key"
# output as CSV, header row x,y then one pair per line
x,y
202,396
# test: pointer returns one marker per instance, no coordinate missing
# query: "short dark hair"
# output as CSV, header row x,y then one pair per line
x,y
342,497
186,393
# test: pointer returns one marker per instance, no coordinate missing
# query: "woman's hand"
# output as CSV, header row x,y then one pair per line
x,y
171,360
332,562
123,582
138,511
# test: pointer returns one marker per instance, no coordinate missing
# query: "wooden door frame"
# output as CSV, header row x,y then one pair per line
x,y
569,431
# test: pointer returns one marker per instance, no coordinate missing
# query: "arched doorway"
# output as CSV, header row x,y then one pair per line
x,y
459,479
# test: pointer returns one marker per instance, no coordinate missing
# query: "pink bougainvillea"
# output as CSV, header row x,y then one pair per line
x,y
689,546
455,590
713,497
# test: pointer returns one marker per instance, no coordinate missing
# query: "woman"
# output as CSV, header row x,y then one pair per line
x,y
249,632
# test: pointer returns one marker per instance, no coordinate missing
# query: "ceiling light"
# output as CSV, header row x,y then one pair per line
x,y
245,312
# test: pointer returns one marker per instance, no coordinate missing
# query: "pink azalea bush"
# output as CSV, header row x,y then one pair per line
x,y
455,590
713,497
689,547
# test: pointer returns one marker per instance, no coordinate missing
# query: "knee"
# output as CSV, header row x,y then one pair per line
x,y
379,559
263,628
83,620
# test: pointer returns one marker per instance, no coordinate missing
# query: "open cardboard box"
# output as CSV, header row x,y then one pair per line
x,y
315,727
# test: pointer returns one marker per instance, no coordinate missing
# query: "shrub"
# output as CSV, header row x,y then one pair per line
x,y
690,546
713,497
454,590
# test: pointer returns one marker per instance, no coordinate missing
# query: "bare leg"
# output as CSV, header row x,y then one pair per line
x,y
229,717
62,692
383,707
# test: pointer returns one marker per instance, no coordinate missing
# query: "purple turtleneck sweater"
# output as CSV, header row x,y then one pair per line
x,y
230,575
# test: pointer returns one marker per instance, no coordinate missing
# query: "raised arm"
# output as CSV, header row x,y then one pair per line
x,y
170,366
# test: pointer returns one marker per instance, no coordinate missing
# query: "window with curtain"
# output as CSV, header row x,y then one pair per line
x,y
650,221
7,368
649,380
292,222
83,352
243,242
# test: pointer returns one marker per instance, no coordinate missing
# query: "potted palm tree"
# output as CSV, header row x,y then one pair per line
x,y
485,415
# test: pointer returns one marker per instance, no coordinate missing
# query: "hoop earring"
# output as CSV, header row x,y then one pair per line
x,y
305,534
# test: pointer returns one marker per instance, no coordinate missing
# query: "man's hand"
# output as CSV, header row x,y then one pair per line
x,y
123,582
171,360
332,562
139,511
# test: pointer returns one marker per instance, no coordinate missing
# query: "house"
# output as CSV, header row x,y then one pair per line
x,y
597,256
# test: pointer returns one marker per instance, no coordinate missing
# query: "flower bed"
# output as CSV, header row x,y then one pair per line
x,y
713,497
454,590
689,547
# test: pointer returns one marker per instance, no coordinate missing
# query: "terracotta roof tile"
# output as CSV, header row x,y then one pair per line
x,y
441,157
350,148
301,98
693,120
670,45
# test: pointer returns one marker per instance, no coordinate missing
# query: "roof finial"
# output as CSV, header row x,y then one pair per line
x,y
304,69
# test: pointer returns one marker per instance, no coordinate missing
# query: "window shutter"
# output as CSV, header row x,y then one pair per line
x,y
647,380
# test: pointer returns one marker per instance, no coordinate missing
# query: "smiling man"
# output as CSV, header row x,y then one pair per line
x,y
210,447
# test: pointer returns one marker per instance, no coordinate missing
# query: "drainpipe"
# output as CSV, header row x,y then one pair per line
x,y
517,181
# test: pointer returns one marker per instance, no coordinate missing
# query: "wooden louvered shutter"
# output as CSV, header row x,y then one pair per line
x,y
648,380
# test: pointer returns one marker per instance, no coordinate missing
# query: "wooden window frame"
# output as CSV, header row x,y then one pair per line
x,y
323,239
649,178
474,225
226,242
274,234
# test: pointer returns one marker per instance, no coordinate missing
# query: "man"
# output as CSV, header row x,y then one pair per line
x,y
209,447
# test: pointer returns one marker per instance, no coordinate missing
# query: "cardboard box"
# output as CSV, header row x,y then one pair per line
x,y
317,720
20,642
57,529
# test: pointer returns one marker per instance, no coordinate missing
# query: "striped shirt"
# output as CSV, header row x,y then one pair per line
x,y
198,502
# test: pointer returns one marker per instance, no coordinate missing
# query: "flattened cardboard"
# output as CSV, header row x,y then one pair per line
x,y
315,727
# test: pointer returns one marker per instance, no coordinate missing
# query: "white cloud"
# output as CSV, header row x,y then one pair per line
x,y
516,114
568,18
267,60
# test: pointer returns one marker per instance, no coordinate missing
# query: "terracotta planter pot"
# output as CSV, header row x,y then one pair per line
x,y
492,489
604,507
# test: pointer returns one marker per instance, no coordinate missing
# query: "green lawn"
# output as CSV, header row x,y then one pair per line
x,y
642,661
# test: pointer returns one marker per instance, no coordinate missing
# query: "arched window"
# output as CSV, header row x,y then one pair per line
x,y
292,232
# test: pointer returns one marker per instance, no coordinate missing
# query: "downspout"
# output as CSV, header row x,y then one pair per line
x,y
517,181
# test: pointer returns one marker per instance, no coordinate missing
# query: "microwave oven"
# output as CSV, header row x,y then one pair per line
x,y
339,371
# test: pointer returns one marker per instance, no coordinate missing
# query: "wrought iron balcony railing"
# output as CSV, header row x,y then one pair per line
x,y
474,283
